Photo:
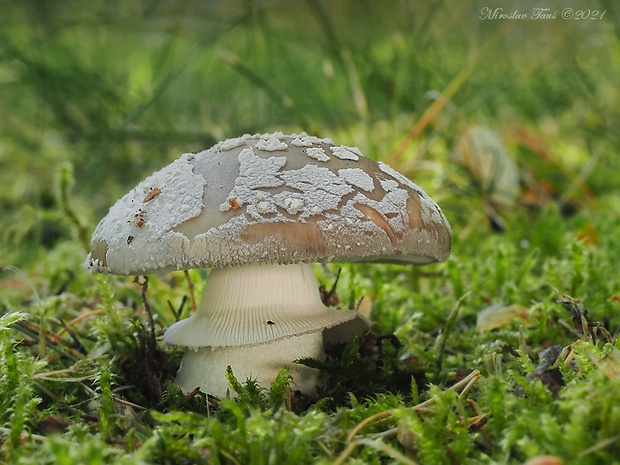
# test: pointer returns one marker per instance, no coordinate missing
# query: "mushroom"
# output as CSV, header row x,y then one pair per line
x,y
258,210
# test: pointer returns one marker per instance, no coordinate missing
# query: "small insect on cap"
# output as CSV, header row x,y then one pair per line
x,y
269,198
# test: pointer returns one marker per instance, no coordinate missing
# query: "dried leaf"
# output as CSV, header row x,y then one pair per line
x,y
483,153
499,315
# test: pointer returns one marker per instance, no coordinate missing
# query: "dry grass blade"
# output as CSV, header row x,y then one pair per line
x,y
387,450
78,320
466,384
431,112
600,445
54,376
52,341
25,435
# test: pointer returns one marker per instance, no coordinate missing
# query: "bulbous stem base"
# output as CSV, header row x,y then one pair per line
x,y
205,368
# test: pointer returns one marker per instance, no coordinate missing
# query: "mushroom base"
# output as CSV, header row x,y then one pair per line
x,y
205,368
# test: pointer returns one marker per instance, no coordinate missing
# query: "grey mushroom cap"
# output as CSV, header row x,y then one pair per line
x,y
270,198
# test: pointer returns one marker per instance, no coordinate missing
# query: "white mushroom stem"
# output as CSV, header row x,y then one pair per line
x,y
256,318
205,368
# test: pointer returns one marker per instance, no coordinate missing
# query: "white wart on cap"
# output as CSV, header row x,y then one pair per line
x,y
269,198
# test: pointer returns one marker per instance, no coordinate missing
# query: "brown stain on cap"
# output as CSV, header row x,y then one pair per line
x,y
306,237
377,218
414,209
440,231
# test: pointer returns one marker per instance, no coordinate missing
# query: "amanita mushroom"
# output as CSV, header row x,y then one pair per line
x,y
259,210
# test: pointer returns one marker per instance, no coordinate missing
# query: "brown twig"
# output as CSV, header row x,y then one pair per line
x,y
72,410
144,286
190,286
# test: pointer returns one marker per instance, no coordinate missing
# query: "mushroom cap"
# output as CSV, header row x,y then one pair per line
x,y
270,198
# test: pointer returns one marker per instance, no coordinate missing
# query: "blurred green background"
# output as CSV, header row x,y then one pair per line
x,y
96,95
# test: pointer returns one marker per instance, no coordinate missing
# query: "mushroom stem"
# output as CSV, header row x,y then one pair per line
x,y
205,368
257,318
